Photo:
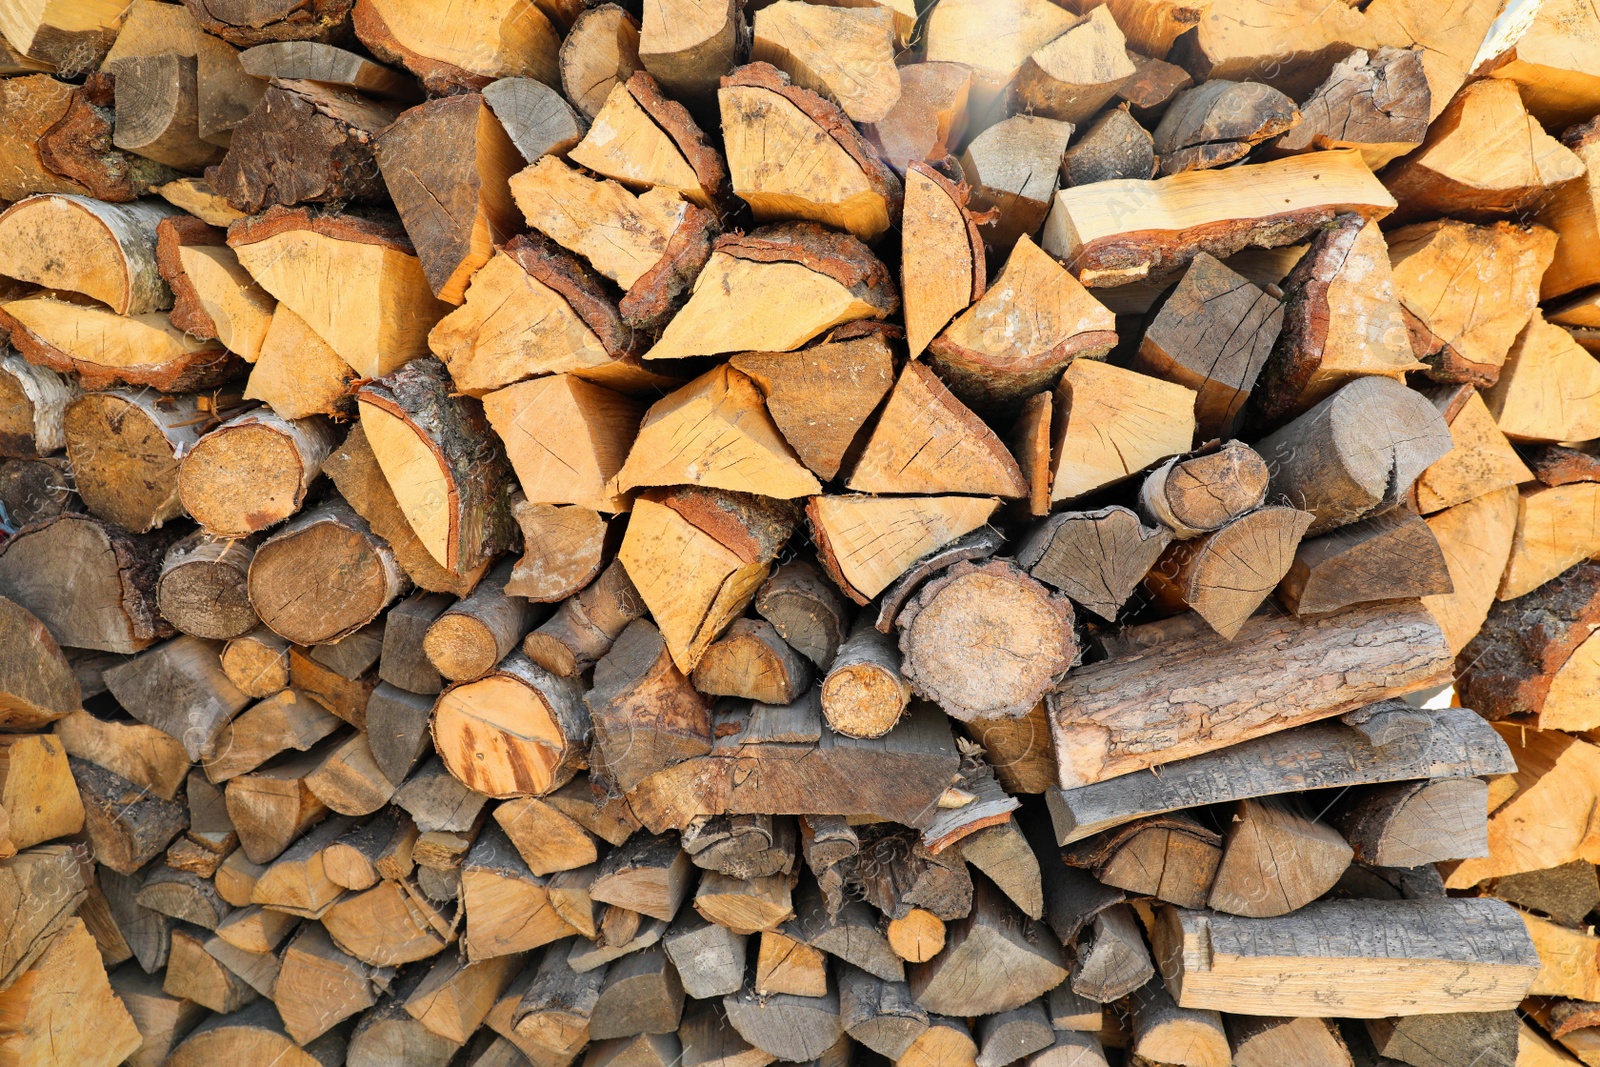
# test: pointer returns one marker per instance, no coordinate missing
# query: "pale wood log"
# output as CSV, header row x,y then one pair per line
x,y
203,587
689,48
179,687
946,1042
928,118
856,68
386,307
404,664
1204,491
296,373
349,781
1408,824
994,42
469,638
323,576
989,678
388,925
1225,575
820,397
253,471
1476,540
35,400
42,888
1114,423
1014,170
1258,1041
1539,396
864,693
112,255
1532,658
917,936
865,543
182,895
144,755
572,451
99,1031
1076,74
649,874
37,685
195,974
1376,956
455,997
213,296
644,140
503,38
584,627
32,105
69,334
319,986
302,60
514,732
567,545
286,720
162,1019
1165,1033
1484,157
710,958
195,196
1492,1036
1221,212
745,906
752,662
601,51
507,905
1480,460
1553,532
934,221
1018,749
254,1034
1092,740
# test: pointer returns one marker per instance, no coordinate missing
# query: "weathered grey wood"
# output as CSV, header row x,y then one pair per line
x,y
1011,1035
641,995
784,1025
585,956
404,664
1193,695
1069,1010
1095,557
1408,824
1350,958
1483,1039
397,729
1001,852
179,687
710,958
994,960
1325,755
557,1005
437,801
1566,893
743,846
1113,962
708,1040
879,1014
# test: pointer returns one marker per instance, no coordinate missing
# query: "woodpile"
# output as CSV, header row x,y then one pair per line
x,y
654,534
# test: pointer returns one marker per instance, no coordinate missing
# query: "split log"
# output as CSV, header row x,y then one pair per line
x,y
1376,101
601,51
1532,657
212,295
381,848
1484,157
99,1030
866,542
1476,540
290,254
284,721
450,480
67,334
1116,146
641,995
1013,168
1565,893
272,807
934,221
1553,532
806,611
1545,369
1224,576
127,825
1356,453
572,452
257,663
1094,557
319,986
1073,76
252,472
806,277
1221,212
945,1043
1408,824
32,104
535,116
646,715
1492,1037
1017,957
745,906
126,447
689,49
323,576
879,1014
516,731
839,181
820,397
182,895
657,241
1571,212
451,151
965,33
1013,1035
37,685
35,400
1112,961
179,687
162,1019
1165,1033
507,905
567,545
144,755
644,140
784,1025
1219,122
504,39
752,662
851,935
1277,860
102,250
928,118
1114,423
1019,750
993,363
1373,953
1260,1041
1213,334
710,959
1206,491
388,925
698,557
585,626
111,605
470,637
296,373
855,67
1087,711
1171,858
253,1031
305,142
1480,460
1391,557
455,997
404,664
648,874
316,61
193,195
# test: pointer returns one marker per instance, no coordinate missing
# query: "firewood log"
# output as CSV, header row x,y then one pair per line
x,y
864,693
1532,657
1408,824
127,825
988,678
1162,1031
32,105
644,140
1095,557
647,874
946,1042
994,931
879,1014
1484,157
641,994
927,119
182,895
68,971
144,755
162,1019
104,348
1014,169
1219,122
710,958
1113,961
1088,228
35,400
806,277
1116,146
866,542
966,33
1476,540
179,687
451,150
935,220
296,373
506,38
1553,530
37,685
785,1025
79,147
1480,460
688,50
601,51
752,662
784,965
1379,946
193,195
213,296
252,472
113,257
257,663
1545,366
536,117
820,397
1376,101
1073,76
1403,638
271,807
37,490
1390,557
470,637
404,663
447,475
507,905
1172,858
1257,1041
129,473
1328,466
1018,749
572,317
323,576
516,731
303,60
388,925
1225,575
1277,859
288,252
455,996
1106,436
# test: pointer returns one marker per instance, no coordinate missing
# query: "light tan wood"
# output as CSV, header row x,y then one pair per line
x,y
253,471
462,47
928,119
1480,459
296,373
385,307
632,145
994,40
32,1029
196,196
1546,387
1166,1033
1475,538
566,439
1075,75
1112,423
1573,211
518,731
745,906
785,965
936,236
144,755
105,348
867,542
37,794
715,432
105,251
1556,527
240,310
1014,168
844,51
1225,575
917,936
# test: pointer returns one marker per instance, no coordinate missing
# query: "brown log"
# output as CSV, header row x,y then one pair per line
x,y
1013,168
929,117
1172,858
1390,557
1219,122
1116,146
1225,575
470,637
688,50
129,473
323,576
865,693
1095,557
1277,859
647,874
271,808
103,348
36,490
253,471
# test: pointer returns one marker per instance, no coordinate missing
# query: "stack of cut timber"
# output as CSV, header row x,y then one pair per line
x,y
550,532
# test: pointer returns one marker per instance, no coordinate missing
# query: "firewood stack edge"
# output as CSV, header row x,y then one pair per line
x,y
664,534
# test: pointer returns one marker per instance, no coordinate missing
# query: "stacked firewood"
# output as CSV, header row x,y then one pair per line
x,y
539,532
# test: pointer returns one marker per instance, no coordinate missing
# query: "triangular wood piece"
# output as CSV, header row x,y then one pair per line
x,y
1557,527
1484,156
1341,321
942,269
1393,556
566,439
715,432
967,32
646,141
775,289
1015,339
867,542
502,39
1549,387
1095,557
1375,102
1112,423
384,308
793,154
1077,74
1475,538
845,52
1225,575
535,309
1480,459
820,396
926,441
212,295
